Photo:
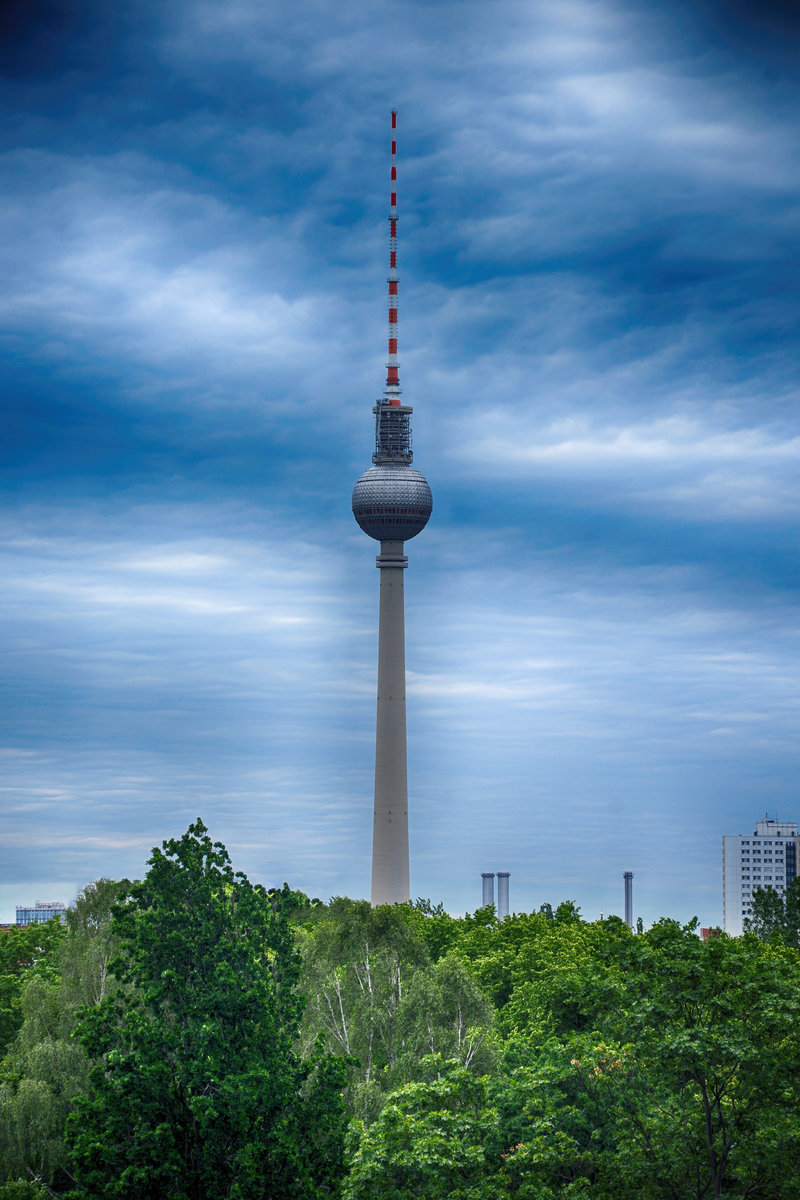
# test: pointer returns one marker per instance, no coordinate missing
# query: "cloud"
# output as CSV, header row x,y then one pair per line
x,y
110,275
599,337
677,463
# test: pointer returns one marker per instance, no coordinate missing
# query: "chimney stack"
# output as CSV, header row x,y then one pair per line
x,y
502,894
629,899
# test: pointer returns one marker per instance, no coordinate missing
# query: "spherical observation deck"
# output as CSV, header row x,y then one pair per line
x,y
392,502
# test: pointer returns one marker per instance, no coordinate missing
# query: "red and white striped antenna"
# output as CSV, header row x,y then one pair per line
x,y
392,365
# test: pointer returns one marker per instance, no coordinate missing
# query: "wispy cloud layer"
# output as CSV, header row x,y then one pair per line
x,y
599,333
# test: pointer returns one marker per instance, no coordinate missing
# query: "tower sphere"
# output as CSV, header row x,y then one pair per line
x,y
392,502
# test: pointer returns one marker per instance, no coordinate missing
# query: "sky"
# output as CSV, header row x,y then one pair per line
x,y
599,310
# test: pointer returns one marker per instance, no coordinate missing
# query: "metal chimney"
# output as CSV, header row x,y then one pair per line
x,y
488,888
502,894
629,899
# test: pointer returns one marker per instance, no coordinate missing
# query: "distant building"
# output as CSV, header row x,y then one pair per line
x,y
766,859
42,910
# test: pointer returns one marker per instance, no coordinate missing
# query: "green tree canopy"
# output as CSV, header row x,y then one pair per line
x,y
433,1141
776,914
198,1093
672,1072
378,998
24,950
46,1070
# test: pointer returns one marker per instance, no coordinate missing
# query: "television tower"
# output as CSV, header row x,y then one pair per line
x,y
392,503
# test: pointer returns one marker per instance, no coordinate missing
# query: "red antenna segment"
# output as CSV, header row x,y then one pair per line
x,y
392,379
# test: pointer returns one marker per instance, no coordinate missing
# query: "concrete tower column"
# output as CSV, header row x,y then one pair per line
x,y
488,888
390,883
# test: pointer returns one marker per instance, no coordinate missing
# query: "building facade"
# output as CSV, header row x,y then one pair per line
x,y
766,858
43,910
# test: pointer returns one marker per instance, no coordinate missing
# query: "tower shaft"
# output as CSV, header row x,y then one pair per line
x,y
390,881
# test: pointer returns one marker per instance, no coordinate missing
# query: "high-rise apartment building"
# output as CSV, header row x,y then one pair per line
x,y
767,858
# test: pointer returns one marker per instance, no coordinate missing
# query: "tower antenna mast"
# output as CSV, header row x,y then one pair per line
x,y
392,365
392,503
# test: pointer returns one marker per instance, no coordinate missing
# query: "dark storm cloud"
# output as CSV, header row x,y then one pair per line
x,y
38,37
767,33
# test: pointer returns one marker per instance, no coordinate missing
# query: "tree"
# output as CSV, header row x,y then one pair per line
x,y
46,1069
430,1142
775,914
437,930
678,1079
378,999
709,1062
24,950
198,1093
549,1135
357,962
559,979
443,1011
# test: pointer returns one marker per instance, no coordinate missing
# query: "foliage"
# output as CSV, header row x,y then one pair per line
x,y
680,1074
650,1067
46,1070
445,1012
22,1189
430,1142
776,914
378,999
714,1028
555,982
536,1058
197,1089
25,950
